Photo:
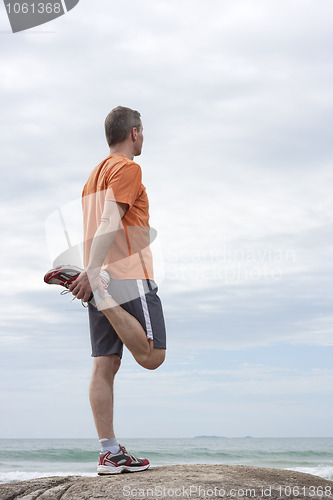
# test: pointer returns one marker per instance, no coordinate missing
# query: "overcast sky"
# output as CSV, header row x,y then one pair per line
x,y
236,99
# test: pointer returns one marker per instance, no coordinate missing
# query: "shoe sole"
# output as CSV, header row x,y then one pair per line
x,y
51,276
103,470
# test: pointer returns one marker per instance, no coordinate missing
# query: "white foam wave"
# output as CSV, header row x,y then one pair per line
x,y
18,475
324,471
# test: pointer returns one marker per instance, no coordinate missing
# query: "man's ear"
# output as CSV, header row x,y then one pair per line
x,y
134,134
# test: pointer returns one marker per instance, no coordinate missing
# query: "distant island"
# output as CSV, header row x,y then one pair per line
x,y
210,437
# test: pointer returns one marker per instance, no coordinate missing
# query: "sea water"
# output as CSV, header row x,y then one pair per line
x,y
22,459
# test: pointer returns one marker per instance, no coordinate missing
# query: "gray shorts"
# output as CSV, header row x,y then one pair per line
x,y
140,299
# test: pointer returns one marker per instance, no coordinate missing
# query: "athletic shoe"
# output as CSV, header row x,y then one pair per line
x,y
120,462
62,275
65,275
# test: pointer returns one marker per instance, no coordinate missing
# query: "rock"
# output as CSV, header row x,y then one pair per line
x,y
181,481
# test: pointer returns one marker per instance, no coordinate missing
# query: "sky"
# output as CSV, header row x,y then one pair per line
x,y
236,98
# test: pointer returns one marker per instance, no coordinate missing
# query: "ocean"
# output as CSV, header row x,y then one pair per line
x,y
22,459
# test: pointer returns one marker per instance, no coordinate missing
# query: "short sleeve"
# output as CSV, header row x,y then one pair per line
x,y
123,183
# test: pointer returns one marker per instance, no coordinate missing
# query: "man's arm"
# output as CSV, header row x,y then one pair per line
x,y
89,279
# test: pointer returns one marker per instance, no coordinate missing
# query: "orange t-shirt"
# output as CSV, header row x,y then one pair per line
x,y
119,179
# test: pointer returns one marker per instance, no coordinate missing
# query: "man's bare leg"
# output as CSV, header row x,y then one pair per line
x,y
101,393
131,333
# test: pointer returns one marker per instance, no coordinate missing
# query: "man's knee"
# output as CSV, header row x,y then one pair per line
x,y
116,361
154,360
107,365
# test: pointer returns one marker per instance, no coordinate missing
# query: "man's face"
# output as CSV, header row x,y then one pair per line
x,y
139,141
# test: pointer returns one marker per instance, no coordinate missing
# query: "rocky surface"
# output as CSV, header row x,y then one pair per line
x,y
184,481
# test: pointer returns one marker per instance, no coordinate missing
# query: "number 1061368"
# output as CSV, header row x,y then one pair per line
x,y
34,8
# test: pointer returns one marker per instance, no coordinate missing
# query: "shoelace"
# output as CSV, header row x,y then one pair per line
x,y
126,452
64,292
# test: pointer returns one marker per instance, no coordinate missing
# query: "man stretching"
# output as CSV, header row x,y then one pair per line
x,y
117,280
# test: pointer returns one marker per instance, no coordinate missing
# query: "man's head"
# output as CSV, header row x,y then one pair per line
x,y
124,125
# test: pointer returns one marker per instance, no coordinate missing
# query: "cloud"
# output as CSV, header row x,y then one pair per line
x,y
247,380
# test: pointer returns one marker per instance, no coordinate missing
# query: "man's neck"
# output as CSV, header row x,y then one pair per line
x,y
121,150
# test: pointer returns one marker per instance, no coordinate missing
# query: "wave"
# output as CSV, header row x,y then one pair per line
x,y
44,458
323,471
50,455
173,456
8,477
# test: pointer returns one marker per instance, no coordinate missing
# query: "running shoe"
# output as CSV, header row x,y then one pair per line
x,y
120,462
65,275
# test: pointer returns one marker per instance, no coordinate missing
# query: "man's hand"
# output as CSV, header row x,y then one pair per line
x,y
85,283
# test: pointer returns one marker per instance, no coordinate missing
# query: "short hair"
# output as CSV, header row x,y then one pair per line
x,y
119,123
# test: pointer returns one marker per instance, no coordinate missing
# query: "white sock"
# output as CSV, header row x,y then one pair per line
x,y
110,445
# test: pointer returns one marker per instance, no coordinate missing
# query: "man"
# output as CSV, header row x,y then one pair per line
x,y
117,281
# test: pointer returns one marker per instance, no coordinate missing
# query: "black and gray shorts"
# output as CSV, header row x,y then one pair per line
x,y
140,299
